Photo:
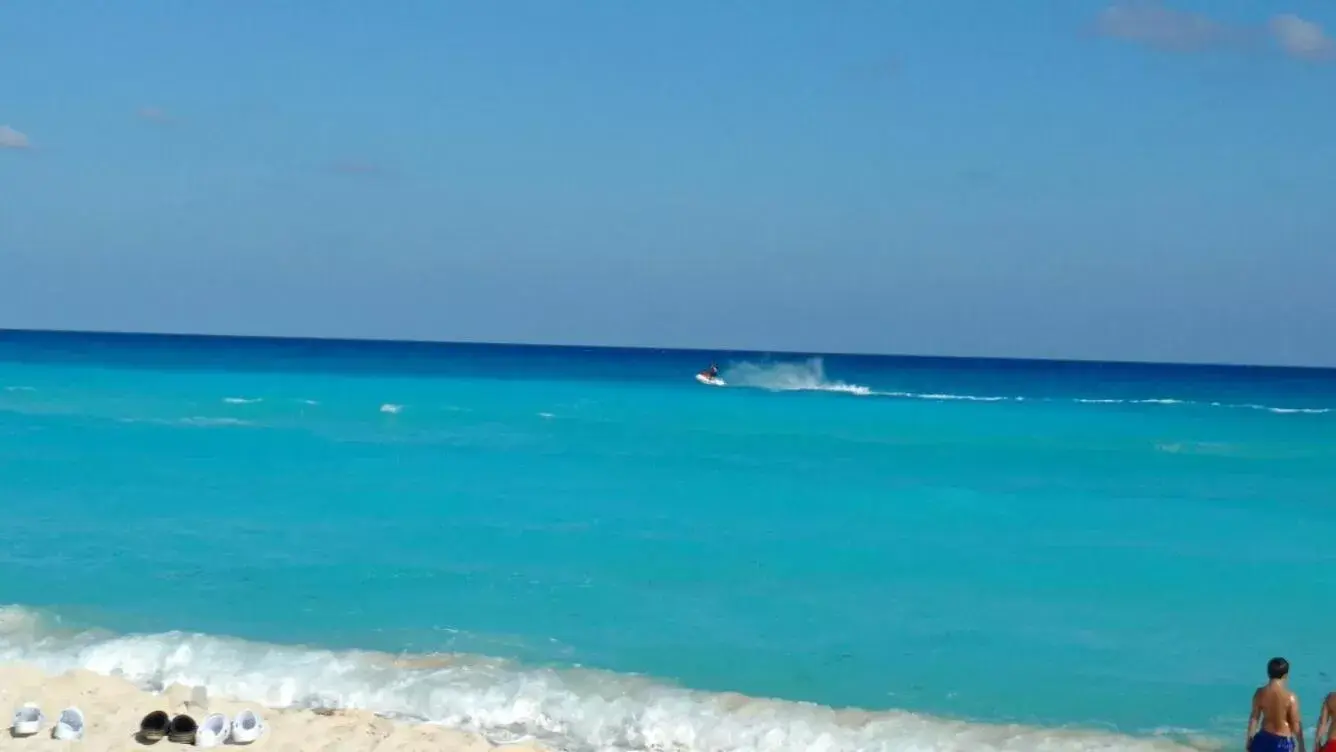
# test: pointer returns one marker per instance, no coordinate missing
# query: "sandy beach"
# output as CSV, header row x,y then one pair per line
x,y
113,708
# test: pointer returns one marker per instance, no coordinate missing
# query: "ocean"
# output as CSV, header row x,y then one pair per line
x,y
587,547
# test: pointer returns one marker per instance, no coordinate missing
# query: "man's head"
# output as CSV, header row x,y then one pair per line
x,y
1277,668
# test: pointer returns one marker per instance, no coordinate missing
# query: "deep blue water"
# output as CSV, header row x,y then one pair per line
x,y
604,545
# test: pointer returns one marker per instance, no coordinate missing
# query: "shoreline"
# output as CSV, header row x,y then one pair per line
x,y
113,707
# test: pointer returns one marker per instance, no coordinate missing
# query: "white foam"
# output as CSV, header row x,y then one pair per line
x,y
1207,448
569,709
200,420
242,400
391,409
810,375
1151,401
807,376
949,397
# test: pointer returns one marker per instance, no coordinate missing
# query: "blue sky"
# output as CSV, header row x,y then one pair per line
x,y
1126,180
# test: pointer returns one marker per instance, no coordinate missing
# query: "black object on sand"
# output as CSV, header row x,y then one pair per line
x,y
182,730
154,727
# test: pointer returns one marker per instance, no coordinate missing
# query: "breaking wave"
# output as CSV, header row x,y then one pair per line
x,y
575,710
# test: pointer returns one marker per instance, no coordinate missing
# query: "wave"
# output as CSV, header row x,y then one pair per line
x,y
577,710
196,421
947,397
391,409
242,400
1165,401
200,420
1281,410
810,375
807,376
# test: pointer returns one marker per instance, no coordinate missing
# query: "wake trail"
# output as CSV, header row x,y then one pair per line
x,y
810,376
807,376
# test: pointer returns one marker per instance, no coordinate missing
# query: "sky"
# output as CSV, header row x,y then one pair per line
x,y
1127,180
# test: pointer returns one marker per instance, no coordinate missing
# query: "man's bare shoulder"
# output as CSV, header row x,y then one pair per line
x,y
1272,693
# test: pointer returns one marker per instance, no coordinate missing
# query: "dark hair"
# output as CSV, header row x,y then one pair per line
x,y
1277,668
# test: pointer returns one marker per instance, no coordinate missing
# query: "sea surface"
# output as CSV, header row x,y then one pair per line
x,y
587,547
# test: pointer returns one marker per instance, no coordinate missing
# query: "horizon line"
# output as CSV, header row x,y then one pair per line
x,y
281,338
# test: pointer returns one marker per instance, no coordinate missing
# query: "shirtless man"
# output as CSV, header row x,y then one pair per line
x,y
1322,736
1274,724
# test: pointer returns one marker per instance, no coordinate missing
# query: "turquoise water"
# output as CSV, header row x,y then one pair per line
x,y
588,547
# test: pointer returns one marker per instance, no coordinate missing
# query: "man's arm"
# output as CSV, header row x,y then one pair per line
x,y
1296,723
1253,718
1323,718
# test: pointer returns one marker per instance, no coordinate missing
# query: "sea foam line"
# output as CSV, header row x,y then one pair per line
x,y
577,710
810,376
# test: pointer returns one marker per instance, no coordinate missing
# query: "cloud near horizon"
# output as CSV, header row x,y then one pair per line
x,y
1302,39
12,139
1151,23
1154,24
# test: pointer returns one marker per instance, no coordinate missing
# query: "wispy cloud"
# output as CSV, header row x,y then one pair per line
x,y
1154,24
12,139
1302,39
153,115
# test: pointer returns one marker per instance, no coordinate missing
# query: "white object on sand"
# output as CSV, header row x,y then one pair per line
x,y
28,720
70,725
246,727
213,731
199,700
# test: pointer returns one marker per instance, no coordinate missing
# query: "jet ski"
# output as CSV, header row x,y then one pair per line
x,y
710,376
